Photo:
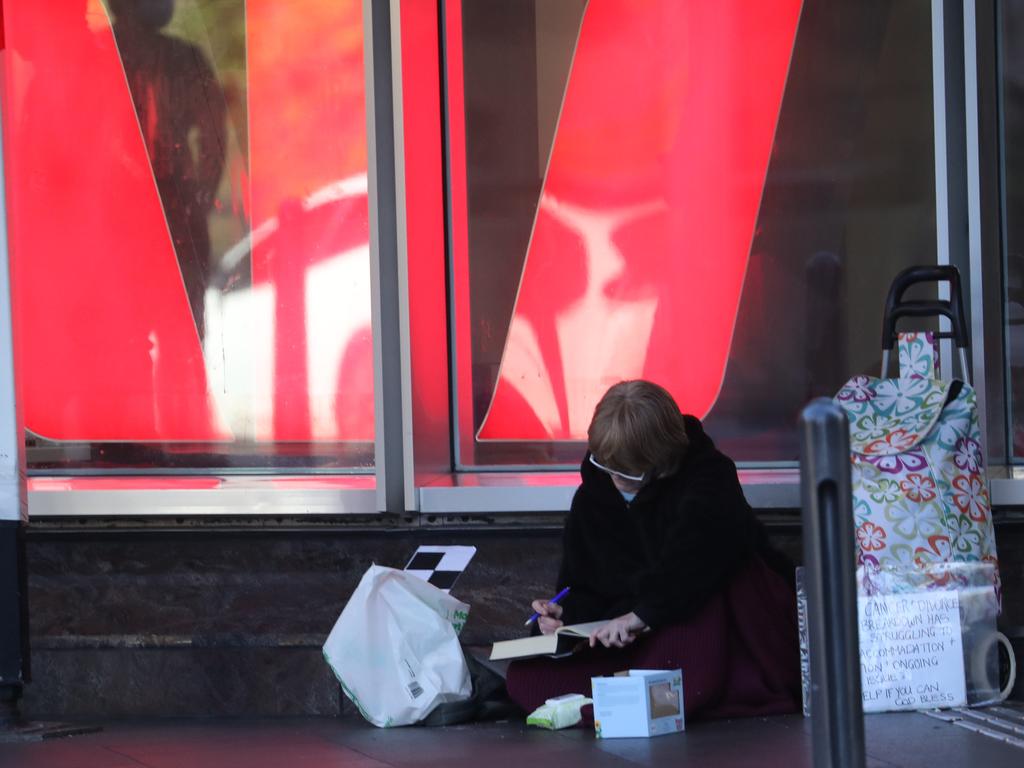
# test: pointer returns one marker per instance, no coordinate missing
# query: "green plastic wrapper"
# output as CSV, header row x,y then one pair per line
x,y
559,712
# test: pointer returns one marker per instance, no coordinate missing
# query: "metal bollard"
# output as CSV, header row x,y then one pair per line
x,y
837,712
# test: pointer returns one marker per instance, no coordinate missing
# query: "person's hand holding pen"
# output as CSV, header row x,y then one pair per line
x,y
547,613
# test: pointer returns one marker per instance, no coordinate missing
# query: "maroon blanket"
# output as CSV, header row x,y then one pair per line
x,y
739,655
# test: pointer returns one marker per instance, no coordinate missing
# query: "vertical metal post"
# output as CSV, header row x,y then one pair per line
x,y
942,245
385,273
957,174
837,713
973,295
951,214
13,509
402,293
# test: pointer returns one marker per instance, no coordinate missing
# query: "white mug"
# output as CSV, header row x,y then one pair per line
x,y
1012,677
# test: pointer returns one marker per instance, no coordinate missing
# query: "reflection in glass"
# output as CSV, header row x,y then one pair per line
x,y
180,108
670,250
1012,151
204,299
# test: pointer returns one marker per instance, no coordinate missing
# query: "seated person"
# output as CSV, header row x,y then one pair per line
x,y
661,542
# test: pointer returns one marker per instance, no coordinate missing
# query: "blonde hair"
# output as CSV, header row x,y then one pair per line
x,y
638,428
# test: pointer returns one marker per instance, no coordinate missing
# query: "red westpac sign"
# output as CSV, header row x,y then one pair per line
x,y
644,225
634,268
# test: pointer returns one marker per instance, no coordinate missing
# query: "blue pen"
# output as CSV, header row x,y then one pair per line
x,y
554,599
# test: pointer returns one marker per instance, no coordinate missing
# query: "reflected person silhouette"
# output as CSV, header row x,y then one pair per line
x,y
181,111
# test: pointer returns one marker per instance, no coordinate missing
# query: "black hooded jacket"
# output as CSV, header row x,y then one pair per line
x,y
664,554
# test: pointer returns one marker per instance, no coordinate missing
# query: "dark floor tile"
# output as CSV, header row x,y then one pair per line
x,y
73,752
313,754
724,743
244,744
176,744
473,746
911,740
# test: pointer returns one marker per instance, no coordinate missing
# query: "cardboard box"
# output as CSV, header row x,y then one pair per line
x,y
638,702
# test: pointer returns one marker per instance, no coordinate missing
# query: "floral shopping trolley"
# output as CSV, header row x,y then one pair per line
x,y
920,494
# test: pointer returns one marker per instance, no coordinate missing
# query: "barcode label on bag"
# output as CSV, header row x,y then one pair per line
x,y
415,689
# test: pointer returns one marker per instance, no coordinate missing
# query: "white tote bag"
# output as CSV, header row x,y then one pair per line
x,y
395,648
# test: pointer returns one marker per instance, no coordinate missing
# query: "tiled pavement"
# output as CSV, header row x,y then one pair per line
x,y
911,740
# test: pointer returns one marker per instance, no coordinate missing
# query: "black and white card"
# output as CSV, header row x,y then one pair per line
x,y
440,565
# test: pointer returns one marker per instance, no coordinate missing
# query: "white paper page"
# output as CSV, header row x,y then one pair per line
x,y
911,651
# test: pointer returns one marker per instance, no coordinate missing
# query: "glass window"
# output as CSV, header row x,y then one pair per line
x,y
1011,66
187,208
715,196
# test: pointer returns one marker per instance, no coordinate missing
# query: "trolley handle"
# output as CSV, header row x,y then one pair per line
x,y
953,308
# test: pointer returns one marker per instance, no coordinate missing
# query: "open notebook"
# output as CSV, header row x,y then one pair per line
x,y
563,642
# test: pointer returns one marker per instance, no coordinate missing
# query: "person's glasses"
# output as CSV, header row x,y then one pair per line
x,y
610,471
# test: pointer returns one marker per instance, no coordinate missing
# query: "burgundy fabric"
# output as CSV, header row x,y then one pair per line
x,y
739,655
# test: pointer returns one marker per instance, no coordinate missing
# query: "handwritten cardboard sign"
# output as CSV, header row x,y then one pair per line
x,y
911,651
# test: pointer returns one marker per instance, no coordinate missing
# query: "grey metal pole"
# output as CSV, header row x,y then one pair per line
x,y
837,712
14,656
389,441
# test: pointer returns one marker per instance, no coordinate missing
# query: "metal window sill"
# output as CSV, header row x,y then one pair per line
x,y
487,492
449,494
201,496
455,494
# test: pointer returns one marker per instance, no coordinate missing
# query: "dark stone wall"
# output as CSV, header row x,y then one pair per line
x,y
206,622
214,623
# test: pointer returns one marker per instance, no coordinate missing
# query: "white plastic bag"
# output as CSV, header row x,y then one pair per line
x,y
395,648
